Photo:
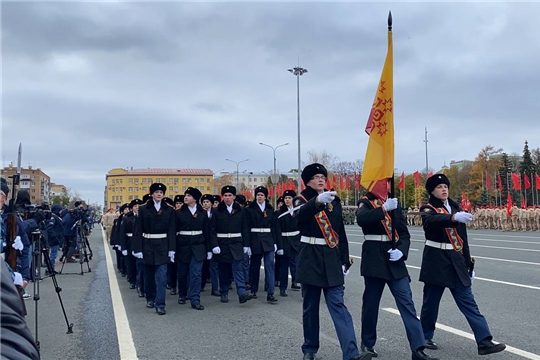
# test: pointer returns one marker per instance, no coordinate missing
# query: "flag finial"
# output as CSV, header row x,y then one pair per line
x,y
389,20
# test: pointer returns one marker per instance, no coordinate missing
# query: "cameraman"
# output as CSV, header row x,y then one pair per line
x,y
55,231
70,231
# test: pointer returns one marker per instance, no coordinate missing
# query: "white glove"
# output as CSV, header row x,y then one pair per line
x,y
119,247
247,250
216,250
137,255
395,254
171,255
209,255
279,252
390,204
473,276
124,252
463,217
17,243
275,247
326,197
18,279
345,273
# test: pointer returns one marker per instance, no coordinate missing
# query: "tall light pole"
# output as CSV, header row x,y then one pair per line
x,y
426,141
237,166
298,71
274,177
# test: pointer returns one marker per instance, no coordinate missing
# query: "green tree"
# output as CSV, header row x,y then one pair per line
x,y
527,168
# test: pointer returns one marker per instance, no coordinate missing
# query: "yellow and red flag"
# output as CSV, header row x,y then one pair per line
x,y
379,160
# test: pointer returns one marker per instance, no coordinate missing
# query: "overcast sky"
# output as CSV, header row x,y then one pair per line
x,y
88,87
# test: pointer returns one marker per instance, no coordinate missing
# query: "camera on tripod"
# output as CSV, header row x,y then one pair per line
x,y
28,211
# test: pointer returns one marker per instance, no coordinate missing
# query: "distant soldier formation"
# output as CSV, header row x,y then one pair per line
x,y
494,218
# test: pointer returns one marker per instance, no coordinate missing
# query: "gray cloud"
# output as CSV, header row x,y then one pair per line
x,y
92,86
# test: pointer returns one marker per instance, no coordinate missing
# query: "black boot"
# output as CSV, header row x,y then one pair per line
x,y
419,354
431,345
370,350
486,347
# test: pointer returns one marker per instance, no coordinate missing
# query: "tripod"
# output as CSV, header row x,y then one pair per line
x,y
82,244
39,249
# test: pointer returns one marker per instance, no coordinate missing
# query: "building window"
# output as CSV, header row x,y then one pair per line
x,y
131,198
254,179
170,180
136,181
189,180
130,189
131,180
208,188
33,198
184,188
33,190
184,180
144,180
208,180
201,180
150,180
196,180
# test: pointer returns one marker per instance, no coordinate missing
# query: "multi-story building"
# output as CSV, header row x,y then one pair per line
x,y
58,190
124,185
460,163
34,180
250,180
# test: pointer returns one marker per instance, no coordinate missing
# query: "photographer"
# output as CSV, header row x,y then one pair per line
x,y
55,231
70,232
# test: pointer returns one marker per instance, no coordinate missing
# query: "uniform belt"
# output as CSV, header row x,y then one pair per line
x,y
154,236
313,240
193,232
129,234
229,235
439,245
292,233
266,230
377,238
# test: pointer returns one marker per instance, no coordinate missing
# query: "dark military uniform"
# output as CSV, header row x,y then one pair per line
x,y
288,235
443,267
320,269
263,244
191,250
229,232
126,232
155,237
378,271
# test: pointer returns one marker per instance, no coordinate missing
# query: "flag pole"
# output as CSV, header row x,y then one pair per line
x,y
392,179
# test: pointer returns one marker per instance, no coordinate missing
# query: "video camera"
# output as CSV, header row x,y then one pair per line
x,y
26,209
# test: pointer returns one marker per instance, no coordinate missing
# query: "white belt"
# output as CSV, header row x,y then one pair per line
x,y
377,238
194,232
129,234
313,240
266,230
230,235
438,245
292,233
154,236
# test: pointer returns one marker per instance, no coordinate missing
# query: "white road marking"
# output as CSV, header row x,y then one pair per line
x,y
123,331
490,247
508,241
510,349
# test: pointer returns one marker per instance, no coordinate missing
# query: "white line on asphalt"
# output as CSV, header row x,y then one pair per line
x,y
473,234
123,331
506,260
508,241
510,349
493,281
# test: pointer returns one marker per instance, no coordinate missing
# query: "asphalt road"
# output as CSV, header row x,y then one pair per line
x,y
111,322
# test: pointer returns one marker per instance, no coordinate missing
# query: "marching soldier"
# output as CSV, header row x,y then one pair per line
x,y
241,200
211,265
230,241
178,201
191,247
126,230
217,200
383,264
287,231
116,238
324,252
446,263
263,243
154,242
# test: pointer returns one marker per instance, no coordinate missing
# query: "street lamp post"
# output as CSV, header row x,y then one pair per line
x,y
237,166
274,177
298,71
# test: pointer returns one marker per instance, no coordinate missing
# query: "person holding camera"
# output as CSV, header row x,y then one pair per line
x,y
70,230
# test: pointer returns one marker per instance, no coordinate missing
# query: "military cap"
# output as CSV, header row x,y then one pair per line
x,y
288,193
261,189
228,189
241,199
168,200
193,192
135,202
435,180
123,207
179,199
146,197
157,186
207,197
217,198
311,170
